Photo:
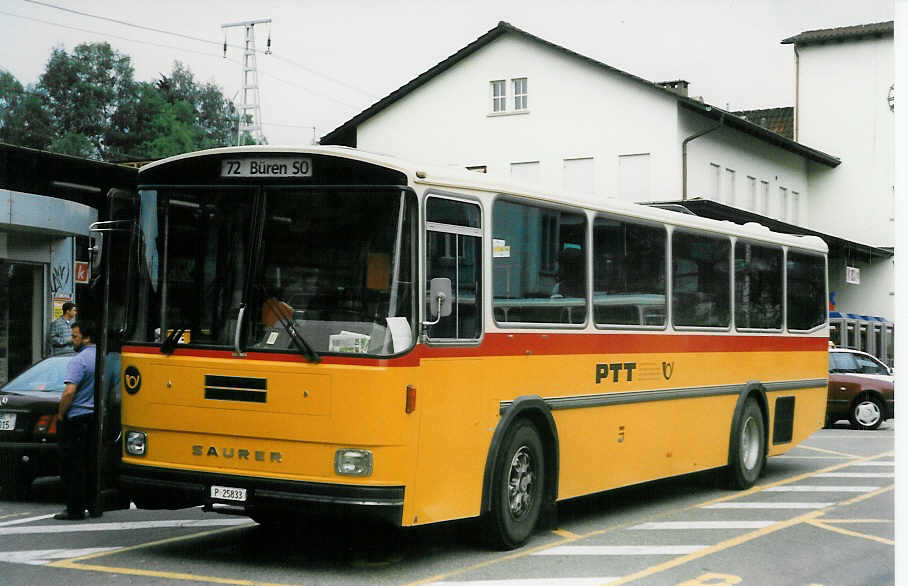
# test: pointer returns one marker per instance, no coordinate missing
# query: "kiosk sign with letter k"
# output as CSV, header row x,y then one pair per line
x,y
81,271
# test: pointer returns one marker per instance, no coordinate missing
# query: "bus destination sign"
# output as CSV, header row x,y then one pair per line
x,y
267,168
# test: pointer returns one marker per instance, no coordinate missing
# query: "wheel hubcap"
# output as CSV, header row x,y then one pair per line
x,y
750,444
867,413
521,482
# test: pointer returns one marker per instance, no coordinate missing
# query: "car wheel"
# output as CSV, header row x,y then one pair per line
x,y
866,413
748,448
517,487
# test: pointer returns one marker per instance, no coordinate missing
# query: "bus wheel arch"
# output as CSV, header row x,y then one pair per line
x,y
748,443
524,412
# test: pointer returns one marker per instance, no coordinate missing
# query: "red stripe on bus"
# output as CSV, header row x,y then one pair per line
x,y
548,344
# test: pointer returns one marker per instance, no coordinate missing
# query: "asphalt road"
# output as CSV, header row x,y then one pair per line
x,y
823,514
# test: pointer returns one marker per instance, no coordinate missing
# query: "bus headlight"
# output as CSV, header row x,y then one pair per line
x,y
353,462
136,443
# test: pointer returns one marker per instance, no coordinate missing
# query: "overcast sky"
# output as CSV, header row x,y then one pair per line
x,y
333,58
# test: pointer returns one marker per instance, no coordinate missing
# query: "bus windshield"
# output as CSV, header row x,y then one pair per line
x,y
333,265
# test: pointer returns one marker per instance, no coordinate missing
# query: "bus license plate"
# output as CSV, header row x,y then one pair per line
x,y
228,493
7,421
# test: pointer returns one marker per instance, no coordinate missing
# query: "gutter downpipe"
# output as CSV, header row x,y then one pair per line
x,y
797,89
684,151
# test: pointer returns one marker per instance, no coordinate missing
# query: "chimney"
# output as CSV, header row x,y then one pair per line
x,y
679,86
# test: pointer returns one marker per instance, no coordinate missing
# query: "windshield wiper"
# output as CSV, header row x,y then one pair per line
x,y
170,342
298,341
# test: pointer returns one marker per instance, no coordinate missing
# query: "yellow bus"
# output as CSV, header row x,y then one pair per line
x,y
324,330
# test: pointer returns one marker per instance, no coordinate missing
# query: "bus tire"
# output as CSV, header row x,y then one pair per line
x,y
748,447
517,487
866,413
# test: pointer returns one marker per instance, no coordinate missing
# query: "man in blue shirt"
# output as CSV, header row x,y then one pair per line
x,y
77,425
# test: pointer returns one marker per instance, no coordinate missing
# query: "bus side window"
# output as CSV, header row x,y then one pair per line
x,y
454,251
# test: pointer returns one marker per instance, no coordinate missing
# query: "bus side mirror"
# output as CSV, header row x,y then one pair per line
x,y
441,299
95,251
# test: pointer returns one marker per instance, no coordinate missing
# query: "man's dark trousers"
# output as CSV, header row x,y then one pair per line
x,y
77,450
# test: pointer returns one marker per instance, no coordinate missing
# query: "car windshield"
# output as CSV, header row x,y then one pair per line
x,y
848,362
47,375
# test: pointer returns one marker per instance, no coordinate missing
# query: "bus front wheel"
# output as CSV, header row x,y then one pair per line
x,y
517,487
748,447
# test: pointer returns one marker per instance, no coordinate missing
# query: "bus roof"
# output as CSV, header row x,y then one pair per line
x,y
459,178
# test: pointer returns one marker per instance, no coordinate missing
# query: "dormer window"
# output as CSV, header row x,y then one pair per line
x,y
509,96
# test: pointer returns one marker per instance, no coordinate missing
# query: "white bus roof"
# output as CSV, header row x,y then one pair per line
x,y
450,177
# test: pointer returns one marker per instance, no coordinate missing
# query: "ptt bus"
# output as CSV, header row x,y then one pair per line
x,y
324,330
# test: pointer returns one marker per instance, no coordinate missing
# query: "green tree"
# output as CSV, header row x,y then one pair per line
x,y
87,103
85,91
24,120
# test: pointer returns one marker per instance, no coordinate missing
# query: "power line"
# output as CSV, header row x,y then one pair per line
x,y
108,35
201,40
123,22
160,45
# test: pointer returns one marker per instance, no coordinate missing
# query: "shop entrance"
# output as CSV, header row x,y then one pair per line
x,y
21,335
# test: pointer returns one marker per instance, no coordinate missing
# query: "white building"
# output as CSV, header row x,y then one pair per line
x,y
845,103
511,103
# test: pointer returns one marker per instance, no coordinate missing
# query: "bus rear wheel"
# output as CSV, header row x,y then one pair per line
x,y
748,447
517,487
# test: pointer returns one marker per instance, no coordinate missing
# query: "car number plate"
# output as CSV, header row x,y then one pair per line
x,y
7,421
228,493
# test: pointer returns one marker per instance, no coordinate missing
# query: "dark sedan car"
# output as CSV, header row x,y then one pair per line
x,y
28,424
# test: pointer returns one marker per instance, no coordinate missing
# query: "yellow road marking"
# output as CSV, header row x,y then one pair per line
x,y
835,529
156,574
825,451
861,521
787,457
11,515
74,563
738,494
513,556
567,536
866,496
652,570
149,544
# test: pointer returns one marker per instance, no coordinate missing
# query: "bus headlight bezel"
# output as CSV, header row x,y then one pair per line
x,y
136,443
353,462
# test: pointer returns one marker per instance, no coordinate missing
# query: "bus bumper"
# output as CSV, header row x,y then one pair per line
x,y
155,488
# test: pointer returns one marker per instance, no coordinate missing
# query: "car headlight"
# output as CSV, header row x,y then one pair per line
x,y
353,462
136,442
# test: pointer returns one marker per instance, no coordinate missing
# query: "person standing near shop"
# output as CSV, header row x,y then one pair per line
x,y
77,425
61,329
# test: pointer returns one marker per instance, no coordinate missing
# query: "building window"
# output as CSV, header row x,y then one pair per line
x,y
478,168
752,193
715,175
578,175
520,93
525,172
783,204
634,177
764,198
499,96
729,194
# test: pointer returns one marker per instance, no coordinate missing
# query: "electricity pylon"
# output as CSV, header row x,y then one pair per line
x,y
251,110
